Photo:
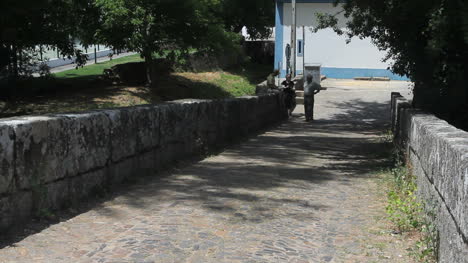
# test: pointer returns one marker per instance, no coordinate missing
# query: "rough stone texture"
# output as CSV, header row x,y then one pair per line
x,y
59,159
452,247
83,185
399,104
438,153
7,183
91,140
15,209
299,192
42,150
133,130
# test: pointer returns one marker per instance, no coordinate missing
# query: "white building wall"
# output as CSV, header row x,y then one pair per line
x,y
325,46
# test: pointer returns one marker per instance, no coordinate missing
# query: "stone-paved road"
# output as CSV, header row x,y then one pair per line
x,y
301,192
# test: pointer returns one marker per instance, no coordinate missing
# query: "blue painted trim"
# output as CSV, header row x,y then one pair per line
x,y
350,73
279,35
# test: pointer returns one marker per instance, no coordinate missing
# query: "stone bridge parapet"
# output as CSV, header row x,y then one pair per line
x,y
49,162
438,155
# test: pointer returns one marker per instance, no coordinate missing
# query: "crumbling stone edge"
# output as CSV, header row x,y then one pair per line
x,y
437,153
48,162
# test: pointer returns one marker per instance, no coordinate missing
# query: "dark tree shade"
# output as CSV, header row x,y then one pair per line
x,y
427,40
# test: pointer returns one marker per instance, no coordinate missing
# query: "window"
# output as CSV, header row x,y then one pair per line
x,y
300,48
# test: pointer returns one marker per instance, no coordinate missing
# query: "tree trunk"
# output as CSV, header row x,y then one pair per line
x,y
15,62
149,68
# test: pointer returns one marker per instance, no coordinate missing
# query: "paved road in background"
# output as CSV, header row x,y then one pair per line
x,y
300,192
90,62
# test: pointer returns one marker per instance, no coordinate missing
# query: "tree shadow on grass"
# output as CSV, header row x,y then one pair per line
x,y
253,72
38,96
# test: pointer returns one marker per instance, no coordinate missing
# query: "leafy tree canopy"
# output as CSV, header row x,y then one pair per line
x,y
258,16
25,24
145,26
426,39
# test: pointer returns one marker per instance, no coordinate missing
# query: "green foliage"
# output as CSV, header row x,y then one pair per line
x,y
425,249
25,24
96,70
426,40
407,213
155,26
148,27
404,209
256,15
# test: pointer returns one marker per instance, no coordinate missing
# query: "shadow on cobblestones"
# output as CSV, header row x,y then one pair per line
x,y
286,195
278,159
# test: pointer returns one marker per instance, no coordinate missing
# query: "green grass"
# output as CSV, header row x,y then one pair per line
x,y
236,85
82,89
95,70
236,82
404,209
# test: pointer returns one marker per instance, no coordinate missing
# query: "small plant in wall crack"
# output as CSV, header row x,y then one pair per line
x,y
425,250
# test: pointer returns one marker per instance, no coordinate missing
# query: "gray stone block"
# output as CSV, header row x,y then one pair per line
x,y
401,119
393,112
7,183
232,118
207,126
442,150
90,183
90,142
438,154
452,248
43,151
62,158
148,127
145,164
248,112
170,117
50,197
119,172
133,130
15,209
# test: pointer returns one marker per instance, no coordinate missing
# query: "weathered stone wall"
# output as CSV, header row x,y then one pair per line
x,y
438,155
48,162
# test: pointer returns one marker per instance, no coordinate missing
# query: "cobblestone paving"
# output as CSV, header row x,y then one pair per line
x,y
301,192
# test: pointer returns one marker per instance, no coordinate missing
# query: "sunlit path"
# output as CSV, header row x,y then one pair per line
x,y
301,192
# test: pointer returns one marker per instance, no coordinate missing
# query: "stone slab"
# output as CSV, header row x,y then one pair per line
x,y
438,154
90,141
88,184
133,130
7,183
61,158
15,209
43,152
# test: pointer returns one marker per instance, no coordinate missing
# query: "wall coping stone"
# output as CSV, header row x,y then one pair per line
x,y
441,152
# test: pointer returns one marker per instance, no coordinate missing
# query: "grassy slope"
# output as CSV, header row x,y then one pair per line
x,y
81,89
96,70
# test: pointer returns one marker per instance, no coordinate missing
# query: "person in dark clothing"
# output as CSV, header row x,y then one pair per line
x,y
290,98
310,89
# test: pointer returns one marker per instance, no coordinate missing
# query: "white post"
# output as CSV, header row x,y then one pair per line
x,y
293,39
303,50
